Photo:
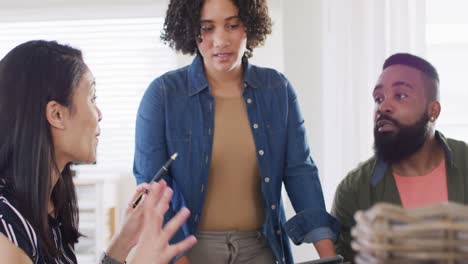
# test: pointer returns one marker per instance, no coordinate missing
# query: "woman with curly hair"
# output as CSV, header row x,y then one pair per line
x,y
240,136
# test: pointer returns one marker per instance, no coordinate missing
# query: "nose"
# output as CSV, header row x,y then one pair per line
x,y
386,106
221,38
99,114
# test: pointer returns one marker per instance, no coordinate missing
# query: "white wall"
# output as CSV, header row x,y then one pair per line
x,y
303,58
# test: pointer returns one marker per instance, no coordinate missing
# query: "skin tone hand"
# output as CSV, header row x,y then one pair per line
x,y
183,260
129,233
153,245
325,248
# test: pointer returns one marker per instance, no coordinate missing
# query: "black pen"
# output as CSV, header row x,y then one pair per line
x,y
161,173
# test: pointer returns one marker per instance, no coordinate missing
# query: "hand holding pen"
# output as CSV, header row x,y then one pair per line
x,y
161,173
144,229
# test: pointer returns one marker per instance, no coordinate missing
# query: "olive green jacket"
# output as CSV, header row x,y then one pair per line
x,y
372,182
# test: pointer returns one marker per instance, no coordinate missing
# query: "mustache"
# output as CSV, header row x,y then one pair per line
x,y
387,118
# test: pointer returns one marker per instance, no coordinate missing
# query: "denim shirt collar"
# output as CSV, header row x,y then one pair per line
x,y
198,81
382,166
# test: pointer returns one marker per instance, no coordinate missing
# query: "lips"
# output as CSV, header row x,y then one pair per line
x,y
223,56
385,125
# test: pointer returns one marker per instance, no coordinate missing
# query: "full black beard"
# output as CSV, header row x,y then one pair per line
x,y
394,147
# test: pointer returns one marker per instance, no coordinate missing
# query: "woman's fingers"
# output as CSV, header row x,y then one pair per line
x,y
139,192
156,210
176,222
179,248
154,194
163,203
143,189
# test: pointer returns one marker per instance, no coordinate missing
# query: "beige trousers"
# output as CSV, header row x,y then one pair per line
x,y
231,247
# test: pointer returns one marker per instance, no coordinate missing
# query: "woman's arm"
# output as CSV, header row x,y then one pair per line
x,y
325,248
12,253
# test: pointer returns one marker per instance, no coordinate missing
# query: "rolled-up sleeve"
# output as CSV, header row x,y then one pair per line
x,y
311,225
312,222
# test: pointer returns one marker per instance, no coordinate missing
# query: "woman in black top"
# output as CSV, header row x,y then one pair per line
x,y
49,119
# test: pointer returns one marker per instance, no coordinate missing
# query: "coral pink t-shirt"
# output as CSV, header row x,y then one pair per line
x,y
417,191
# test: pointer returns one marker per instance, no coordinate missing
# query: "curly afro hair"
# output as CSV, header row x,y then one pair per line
x,y
182,24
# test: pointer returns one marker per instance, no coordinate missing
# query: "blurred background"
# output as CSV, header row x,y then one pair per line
x,y
331,50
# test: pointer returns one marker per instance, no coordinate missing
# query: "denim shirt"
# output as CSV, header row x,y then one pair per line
x,y
176,114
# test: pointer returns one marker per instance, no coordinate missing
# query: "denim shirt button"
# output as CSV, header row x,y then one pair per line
x,y
249,101
284,260
261,152
267,180
273,206
278,232
255,126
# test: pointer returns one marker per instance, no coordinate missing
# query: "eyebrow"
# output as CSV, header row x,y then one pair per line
x,y
395,84
402,83
226,19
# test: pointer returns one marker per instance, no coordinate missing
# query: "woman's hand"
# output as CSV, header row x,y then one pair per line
x,y
153,245
128,234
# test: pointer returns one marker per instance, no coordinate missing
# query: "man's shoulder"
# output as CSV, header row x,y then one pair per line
x,y
352,191
459,151
457,145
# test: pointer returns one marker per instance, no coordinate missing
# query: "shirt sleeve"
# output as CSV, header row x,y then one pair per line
x,y
151,148
150,144
312,222
17,229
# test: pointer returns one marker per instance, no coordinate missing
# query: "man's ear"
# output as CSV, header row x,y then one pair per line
x,y
56,114
434,110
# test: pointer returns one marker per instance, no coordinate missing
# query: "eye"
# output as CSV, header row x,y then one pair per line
x,y
93,99
233,26
401,96
378,99
206,28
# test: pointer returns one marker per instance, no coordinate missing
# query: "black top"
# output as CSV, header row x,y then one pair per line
x,y
20,232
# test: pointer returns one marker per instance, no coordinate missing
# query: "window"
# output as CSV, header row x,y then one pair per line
x,y
447,50
125,55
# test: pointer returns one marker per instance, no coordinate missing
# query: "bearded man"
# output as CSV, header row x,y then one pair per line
x,y
414,165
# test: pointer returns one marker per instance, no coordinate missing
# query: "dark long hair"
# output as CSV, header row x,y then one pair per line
x,y
31,75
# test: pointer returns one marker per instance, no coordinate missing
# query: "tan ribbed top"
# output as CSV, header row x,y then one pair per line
x,y
233,196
